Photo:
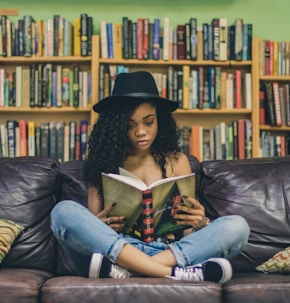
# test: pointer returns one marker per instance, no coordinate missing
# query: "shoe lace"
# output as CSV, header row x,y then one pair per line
x,y
189,273
118,272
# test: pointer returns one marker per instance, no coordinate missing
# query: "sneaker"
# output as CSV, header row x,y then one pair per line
x,y
101,267
217,270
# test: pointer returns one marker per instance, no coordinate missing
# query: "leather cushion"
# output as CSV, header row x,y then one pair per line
x,y
27,195
258,190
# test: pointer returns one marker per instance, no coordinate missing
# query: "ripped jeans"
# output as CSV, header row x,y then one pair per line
x,y
81,234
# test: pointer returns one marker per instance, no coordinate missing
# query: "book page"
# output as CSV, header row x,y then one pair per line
x,y
124,172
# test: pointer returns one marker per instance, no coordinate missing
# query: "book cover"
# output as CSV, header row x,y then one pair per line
x,y
158,199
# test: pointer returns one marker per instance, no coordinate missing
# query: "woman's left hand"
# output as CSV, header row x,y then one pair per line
x,y
193,215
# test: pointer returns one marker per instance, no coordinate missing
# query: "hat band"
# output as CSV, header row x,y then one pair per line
x,y
140,95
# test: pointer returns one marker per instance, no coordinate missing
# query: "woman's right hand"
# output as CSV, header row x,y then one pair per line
x,y
115,222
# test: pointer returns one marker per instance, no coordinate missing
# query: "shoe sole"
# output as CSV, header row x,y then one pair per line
x,y
95,265
225,267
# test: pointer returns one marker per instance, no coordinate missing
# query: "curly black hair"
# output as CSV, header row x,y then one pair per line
x,y
108,145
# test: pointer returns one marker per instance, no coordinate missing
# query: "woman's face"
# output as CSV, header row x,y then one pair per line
x,y
143,127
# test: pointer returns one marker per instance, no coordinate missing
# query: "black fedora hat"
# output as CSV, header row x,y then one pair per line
x,y
134,87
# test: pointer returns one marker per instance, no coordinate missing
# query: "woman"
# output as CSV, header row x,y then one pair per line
x,y
135,131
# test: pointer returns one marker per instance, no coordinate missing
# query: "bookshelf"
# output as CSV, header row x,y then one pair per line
x,y
65,113
274,69
206,117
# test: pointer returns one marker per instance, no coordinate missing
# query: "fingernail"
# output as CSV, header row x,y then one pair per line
x,y
114,204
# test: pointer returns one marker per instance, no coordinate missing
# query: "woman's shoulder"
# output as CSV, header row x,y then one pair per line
x,y
179,164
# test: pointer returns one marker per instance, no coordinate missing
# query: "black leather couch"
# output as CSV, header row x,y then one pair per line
x,y
37,270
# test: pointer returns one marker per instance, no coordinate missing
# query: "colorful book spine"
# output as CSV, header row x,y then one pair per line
x,y
147,216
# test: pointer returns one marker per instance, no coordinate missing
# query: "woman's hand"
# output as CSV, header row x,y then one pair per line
x,y
116,223
193,215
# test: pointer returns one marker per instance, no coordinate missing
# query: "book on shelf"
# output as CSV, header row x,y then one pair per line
x,y
262,114
125,35
60,141
166,38
180,32
110,47
195,141
223,39
53,140
277,104
184,139
31,138
205,41
148,209
156,40
11,126
269,103
77,37
238,39
23,144
117,40
185,87
193,38
215,24
140,34
187,41
84,34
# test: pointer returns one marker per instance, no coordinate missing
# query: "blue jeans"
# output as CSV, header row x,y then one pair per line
x,y
81,233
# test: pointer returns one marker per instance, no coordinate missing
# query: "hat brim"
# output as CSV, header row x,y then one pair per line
x,y
111,102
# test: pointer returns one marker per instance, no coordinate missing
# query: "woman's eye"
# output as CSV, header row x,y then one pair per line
x,y
149,122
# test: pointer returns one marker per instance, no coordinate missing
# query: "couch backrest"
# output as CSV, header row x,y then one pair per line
x,y
258,190
27,196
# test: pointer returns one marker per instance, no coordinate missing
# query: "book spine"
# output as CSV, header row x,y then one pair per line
x,y
145,42
156,44
277,105
76,87
205,41
60,141
125,37
22,138
77,37
238,39
223,39
216,38
83,138
109,27
84,34
180,42
31,138
193,38
118,41
147,216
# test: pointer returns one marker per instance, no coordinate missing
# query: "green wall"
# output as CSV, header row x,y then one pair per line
x,y
270,18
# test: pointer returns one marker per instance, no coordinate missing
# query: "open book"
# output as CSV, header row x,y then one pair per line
x,y
148,209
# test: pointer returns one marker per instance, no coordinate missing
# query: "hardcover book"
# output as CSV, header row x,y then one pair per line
x,y
148,209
